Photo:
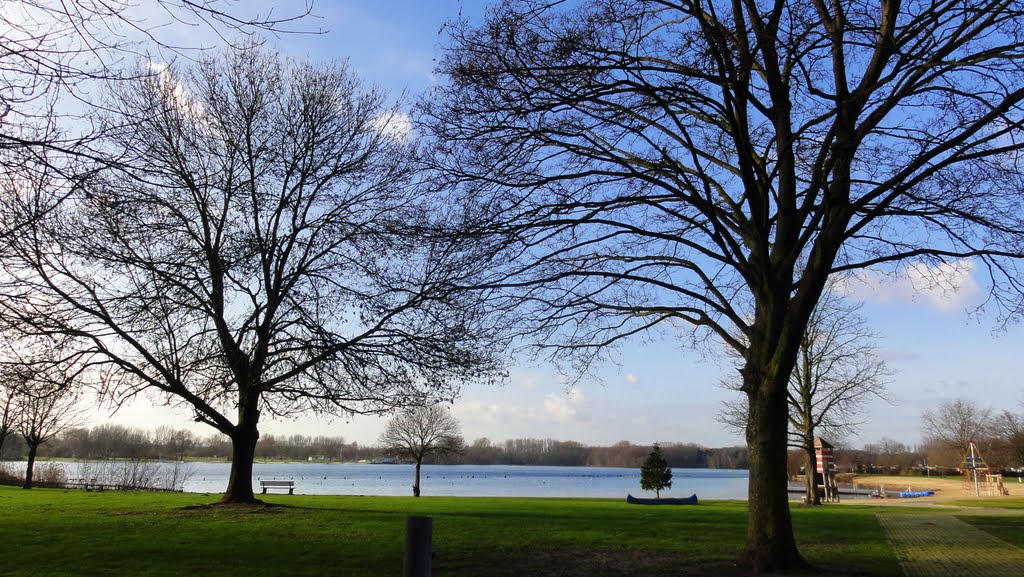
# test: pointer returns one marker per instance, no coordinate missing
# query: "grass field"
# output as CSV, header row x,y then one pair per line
x,y
1006,528
55,532
993,503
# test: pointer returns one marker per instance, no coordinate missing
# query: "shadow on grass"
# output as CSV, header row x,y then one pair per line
x,y
568,561
256,508
571,561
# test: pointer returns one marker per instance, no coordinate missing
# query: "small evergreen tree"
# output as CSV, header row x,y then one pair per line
x,y
655,474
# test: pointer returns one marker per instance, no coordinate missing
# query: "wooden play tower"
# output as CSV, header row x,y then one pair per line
x,y
978,479
823,453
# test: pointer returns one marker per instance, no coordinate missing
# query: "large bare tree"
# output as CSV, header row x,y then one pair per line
x,y
257,253
837,372
702,167
419,432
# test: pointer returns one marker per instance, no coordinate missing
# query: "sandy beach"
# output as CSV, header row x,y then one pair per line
x,y
945,489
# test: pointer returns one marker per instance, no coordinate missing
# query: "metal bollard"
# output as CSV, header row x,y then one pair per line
x,y
418,534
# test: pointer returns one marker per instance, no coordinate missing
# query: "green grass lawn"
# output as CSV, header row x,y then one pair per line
x,y
55,532
1008,529
994,503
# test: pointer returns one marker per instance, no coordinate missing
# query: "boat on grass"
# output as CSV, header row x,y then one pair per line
x,y
691,500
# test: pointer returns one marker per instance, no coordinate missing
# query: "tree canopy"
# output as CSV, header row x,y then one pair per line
x,y
956,424
56,55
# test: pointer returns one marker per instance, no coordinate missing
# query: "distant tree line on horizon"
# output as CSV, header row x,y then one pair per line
x,y
109,441
948,430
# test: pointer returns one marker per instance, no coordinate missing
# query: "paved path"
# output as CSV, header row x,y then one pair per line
x,y
944,546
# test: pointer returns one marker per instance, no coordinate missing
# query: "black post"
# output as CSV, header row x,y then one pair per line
x,y
418,533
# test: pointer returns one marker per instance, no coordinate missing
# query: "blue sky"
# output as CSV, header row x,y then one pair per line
x,y
656,391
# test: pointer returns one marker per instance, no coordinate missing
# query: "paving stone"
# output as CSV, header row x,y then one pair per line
x,y
944,546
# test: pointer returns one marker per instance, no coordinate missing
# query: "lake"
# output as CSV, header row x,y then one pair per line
x,y
467,480
474,480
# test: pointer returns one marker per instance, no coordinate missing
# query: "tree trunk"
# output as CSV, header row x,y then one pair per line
x,y
29,470
811,474
243,452
771,545
416,483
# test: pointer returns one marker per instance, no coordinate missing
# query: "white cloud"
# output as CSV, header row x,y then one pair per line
x,y
533,411
396,126
484,413
558,408
564,408
948,286
576,396
528,382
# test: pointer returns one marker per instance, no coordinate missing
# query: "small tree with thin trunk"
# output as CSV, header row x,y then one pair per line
x,y
655,474
47,405
8,414
419,432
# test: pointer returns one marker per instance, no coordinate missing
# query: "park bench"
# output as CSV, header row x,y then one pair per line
x,y
290,485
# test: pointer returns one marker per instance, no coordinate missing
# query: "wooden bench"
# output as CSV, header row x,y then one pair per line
x,y
272,484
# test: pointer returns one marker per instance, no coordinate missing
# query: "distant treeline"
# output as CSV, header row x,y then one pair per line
x,y
105,442
891,457
622,454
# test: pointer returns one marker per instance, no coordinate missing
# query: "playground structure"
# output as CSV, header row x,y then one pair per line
x,y
978,479
823,453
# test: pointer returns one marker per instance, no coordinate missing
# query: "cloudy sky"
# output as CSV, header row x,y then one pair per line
x,y
655,391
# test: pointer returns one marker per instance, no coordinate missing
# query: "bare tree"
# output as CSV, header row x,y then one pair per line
x,y
893,456
175,443
837,372
675,165
8,412
47,404
419,432
258,254
956,424
1010,428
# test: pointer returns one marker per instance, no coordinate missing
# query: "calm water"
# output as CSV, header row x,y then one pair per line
x,y
475,480
469,480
